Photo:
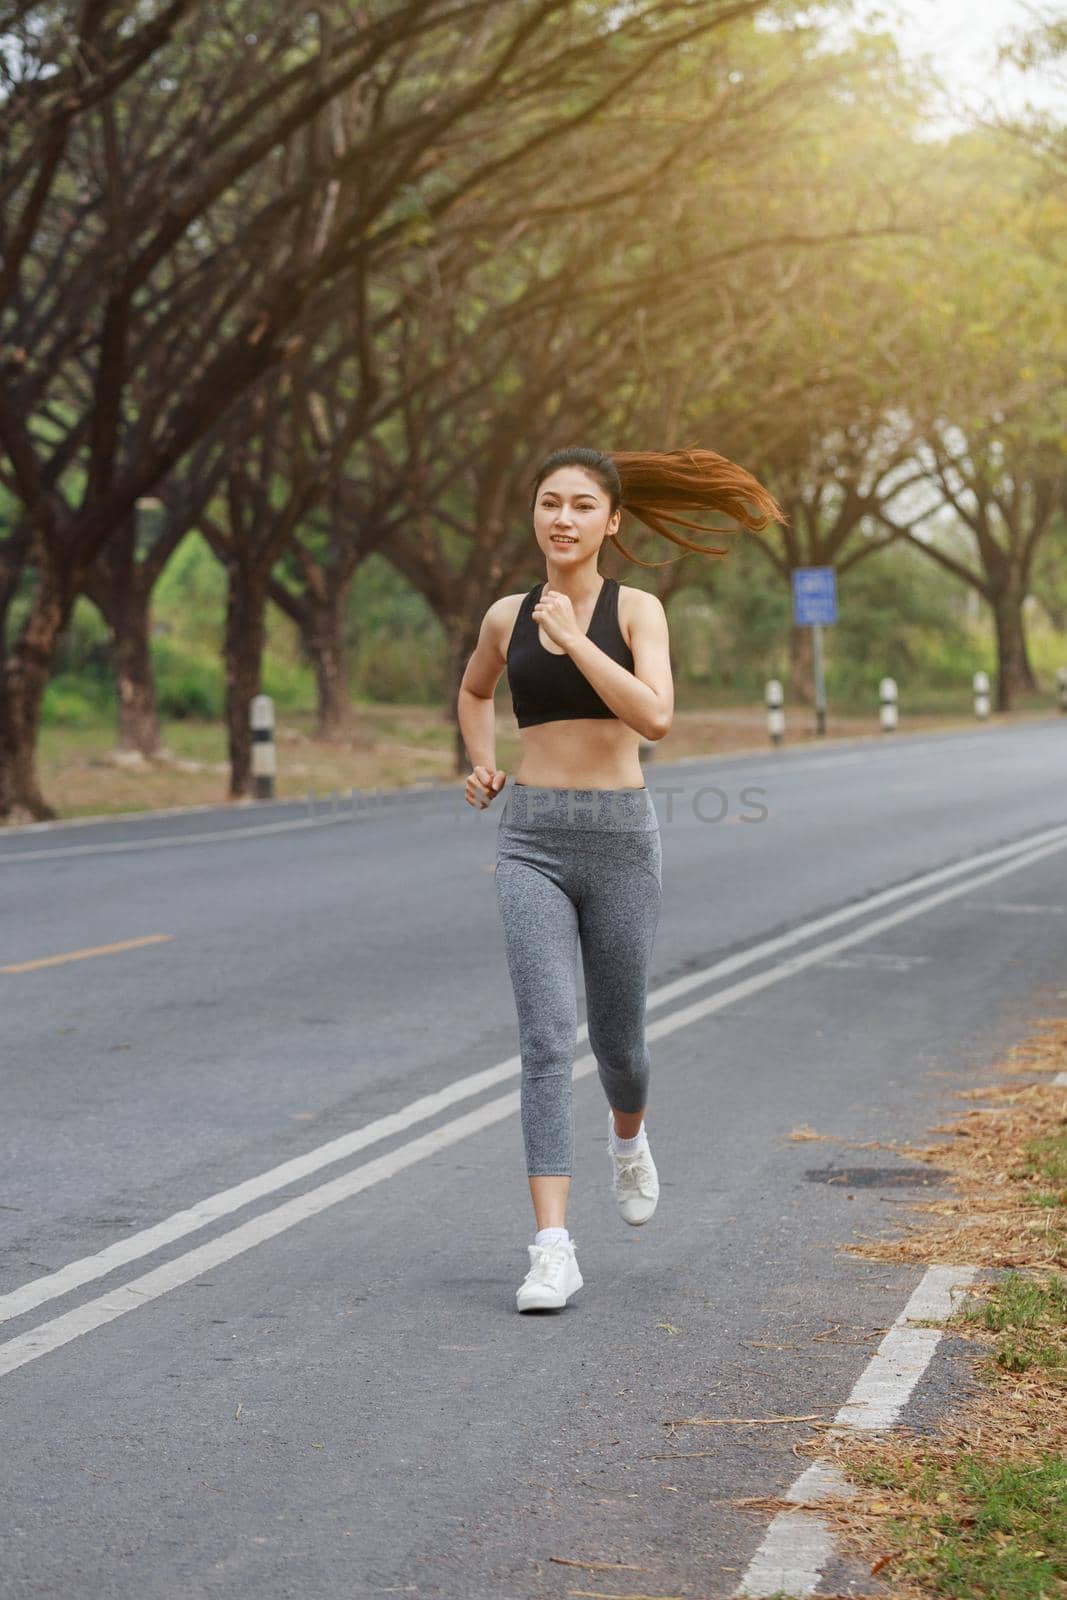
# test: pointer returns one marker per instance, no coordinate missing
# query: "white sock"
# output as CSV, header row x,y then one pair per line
x,y
551,1236
628,1147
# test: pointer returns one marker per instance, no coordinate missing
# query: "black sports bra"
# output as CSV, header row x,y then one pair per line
x,y
546,687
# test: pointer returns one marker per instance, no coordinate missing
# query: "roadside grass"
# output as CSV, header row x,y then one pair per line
x,y
385,746
972,1527
1028,1316
975,1508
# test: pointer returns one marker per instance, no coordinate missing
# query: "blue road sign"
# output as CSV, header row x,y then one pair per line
x,y
814,595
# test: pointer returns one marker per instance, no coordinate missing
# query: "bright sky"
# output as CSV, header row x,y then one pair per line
x,y
959,37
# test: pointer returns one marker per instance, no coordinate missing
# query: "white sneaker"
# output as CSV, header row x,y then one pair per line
x,y
552,1278
634,1181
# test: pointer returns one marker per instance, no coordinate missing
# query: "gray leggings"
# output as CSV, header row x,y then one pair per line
x,y
577,864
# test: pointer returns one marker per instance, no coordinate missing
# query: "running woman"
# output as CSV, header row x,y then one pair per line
x,y
578,853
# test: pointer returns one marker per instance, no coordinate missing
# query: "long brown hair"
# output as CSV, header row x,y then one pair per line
x,y
654,486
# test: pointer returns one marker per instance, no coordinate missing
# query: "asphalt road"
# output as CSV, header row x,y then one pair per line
x,y
263,1207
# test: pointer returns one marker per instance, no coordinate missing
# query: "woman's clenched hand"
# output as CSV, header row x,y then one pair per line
x,y
483,786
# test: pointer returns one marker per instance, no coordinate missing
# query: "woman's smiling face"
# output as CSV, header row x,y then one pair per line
x,y
572,515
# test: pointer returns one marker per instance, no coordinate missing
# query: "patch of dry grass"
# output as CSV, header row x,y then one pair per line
x,y
1006,1210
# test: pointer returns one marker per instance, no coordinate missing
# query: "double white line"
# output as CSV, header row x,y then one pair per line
x,y
959,879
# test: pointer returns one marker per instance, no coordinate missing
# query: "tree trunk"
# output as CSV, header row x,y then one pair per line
x,y
1030,682
1014,673
126,608
324,641
138,719
801,687
120,588
246,609
25,678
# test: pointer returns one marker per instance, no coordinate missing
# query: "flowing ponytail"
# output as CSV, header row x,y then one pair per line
x,y
654,486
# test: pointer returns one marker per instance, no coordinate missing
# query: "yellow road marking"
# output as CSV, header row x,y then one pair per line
x,y
83,955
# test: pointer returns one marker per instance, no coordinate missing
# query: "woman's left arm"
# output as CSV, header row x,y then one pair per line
x,y
643,698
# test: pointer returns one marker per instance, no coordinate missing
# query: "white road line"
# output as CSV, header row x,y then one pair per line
x,y
134,1246
798,1544
130,1296
142,1243
848,913
1023,908
161,842
47,1336
904,1354
762,980
795,1549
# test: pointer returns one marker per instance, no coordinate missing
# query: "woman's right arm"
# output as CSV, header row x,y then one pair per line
x,y
476,710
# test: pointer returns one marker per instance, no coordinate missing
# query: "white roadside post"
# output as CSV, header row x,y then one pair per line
x,y
775,714
1061,687
264,755
887,694
981,695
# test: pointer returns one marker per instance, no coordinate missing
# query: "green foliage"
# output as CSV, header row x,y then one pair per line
x,y
288,682
388,670
191,592
730,625
189,682
901,617
949,310
1050,579
75,700
398,652
899,614
84,650
380,600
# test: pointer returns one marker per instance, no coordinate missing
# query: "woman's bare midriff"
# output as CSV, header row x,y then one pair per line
x,y
580,752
